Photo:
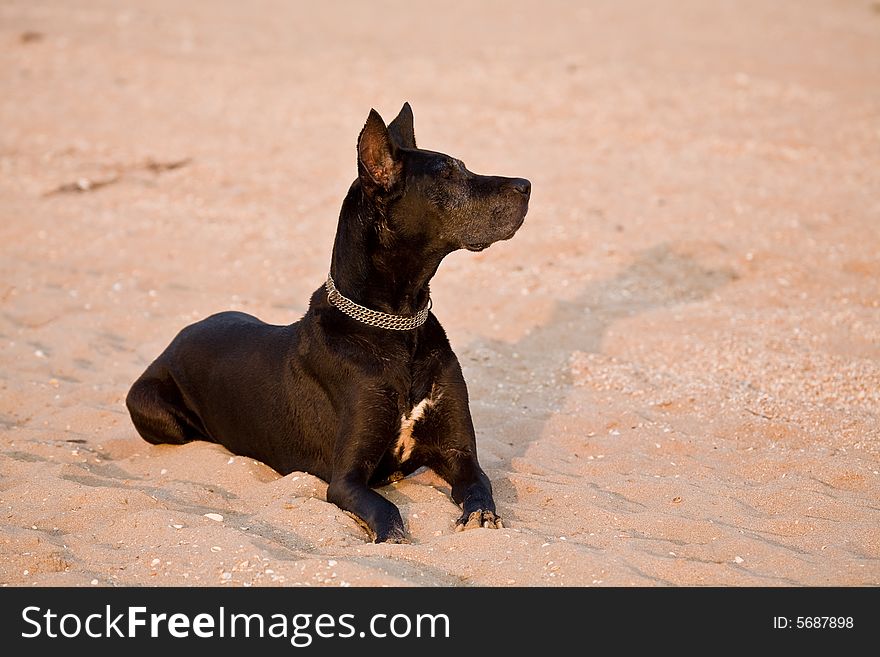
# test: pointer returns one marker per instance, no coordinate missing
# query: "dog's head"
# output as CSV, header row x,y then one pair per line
x,y
430,198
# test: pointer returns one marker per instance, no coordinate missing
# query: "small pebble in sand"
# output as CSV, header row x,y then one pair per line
x,y
163,471
155,562
216,548
226,576
177,526
214,516
39,353
738,559
94,582
231,460
331,562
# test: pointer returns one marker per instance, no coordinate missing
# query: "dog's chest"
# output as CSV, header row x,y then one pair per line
x,y
406,442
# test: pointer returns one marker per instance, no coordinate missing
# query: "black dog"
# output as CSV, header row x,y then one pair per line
x,y
364,389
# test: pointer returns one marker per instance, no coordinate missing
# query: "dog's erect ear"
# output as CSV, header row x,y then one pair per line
x,y
377,161
401,128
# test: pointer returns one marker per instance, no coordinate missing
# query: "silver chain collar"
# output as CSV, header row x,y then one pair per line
x,y
374,317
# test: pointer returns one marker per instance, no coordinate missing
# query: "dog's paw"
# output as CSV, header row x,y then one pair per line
x,y
477,519
400,540
393,535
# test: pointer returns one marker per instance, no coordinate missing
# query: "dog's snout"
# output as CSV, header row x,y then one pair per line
x,y
521,185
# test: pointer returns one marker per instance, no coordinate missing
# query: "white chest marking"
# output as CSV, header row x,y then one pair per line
x,y
405,442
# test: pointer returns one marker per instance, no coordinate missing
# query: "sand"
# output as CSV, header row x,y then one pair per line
x,y
674,366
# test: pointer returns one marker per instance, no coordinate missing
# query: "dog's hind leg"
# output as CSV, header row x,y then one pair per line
x,y
158,412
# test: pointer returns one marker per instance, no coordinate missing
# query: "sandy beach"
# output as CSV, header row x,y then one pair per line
x,y
674,366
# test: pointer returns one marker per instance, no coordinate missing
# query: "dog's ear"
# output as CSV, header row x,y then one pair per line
x,y
378,164
401,128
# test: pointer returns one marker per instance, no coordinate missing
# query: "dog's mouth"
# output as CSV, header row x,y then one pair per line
x,y
479,246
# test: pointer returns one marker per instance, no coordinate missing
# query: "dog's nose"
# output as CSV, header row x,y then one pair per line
x,y
521,185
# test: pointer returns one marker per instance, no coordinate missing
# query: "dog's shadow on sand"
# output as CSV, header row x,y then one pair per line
x,y
527,381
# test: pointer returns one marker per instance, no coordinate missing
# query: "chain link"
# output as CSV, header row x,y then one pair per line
x,y
374,317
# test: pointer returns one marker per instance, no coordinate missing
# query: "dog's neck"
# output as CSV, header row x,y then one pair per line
x,y
372,267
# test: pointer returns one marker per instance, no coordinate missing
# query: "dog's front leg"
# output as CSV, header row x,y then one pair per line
x,y
362,441
471,490
379,516
455,458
